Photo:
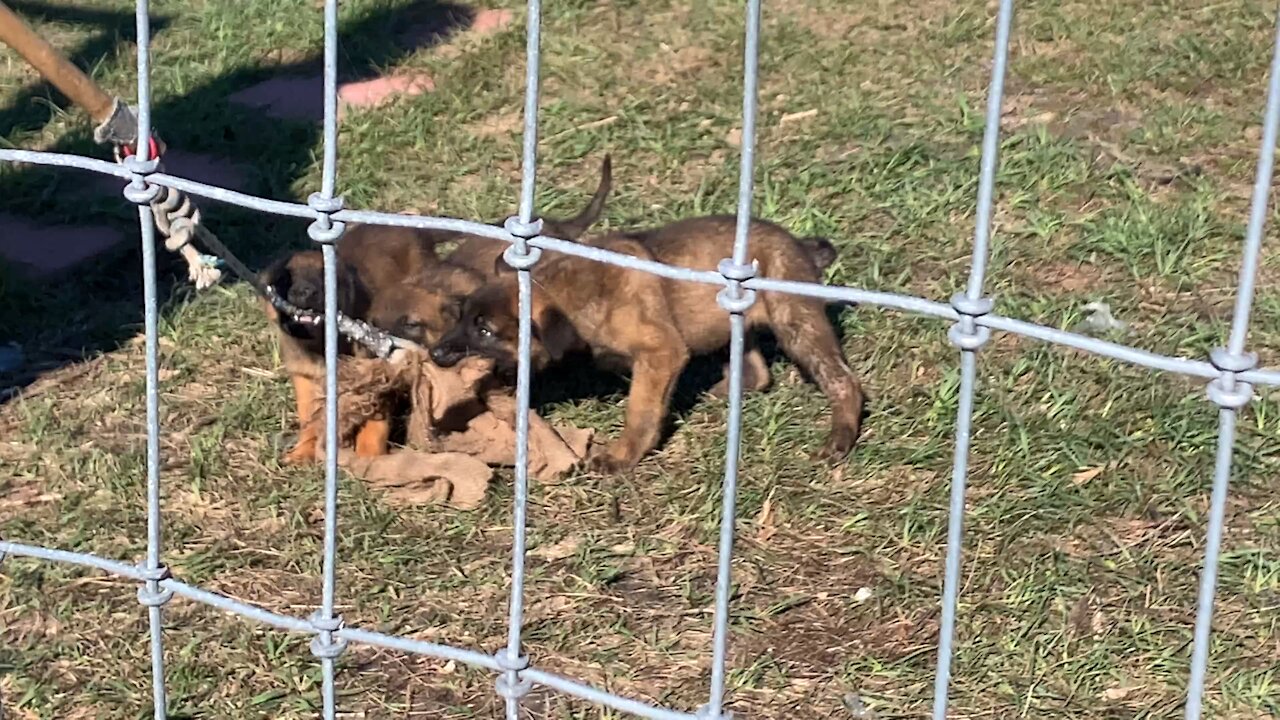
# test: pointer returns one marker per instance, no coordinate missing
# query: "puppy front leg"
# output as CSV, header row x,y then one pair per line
x,y
653,378
304,450
373,438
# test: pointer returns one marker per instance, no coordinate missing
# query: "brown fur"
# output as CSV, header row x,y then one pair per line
x,y
422,308
479,253
392,277
370,259
656,325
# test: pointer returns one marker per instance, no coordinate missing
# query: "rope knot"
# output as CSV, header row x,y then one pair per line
x,y
324,229
139,191
509,684
520,255
1227,391
734,298
151,594
323,644
966,334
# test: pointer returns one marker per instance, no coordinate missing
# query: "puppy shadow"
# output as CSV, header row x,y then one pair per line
x,y
96,306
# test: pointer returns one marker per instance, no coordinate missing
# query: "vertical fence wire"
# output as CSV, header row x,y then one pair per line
x,y
969,337
327,232
511,685
150,594
736,300
1229,392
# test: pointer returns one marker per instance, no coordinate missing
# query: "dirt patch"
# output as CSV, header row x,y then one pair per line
x,y
498,125
1062,277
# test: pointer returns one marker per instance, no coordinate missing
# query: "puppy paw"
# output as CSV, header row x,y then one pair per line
x,y
720,390
606,463
301,455
838,445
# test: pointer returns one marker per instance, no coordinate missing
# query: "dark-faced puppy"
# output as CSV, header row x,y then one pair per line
x,y
479,253
371,259
656,324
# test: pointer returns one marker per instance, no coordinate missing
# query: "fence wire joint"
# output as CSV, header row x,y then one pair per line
x,y
733,297
967,334
151,594
323,644
324,229
139,191
1227,391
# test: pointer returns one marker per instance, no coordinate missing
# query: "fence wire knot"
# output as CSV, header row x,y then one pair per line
x,y
323,644
519,255
139,191
733,297
151,594
967,334
704,713
509,684
324,229
1227,391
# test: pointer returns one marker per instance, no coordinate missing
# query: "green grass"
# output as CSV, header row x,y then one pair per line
x,y
1126,165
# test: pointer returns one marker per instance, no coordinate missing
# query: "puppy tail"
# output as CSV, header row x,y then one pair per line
x,y
575,227
820,250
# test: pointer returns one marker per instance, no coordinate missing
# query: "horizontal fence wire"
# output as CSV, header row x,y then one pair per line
x,y
1232,373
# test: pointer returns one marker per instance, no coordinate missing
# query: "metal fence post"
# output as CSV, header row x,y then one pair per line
x,y
327,232
967,335
142,193
512,685
1228,391
736,300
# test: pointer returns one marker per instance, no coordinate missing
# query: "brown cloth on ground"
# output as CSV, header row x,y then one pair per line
x,y
457,429
408,477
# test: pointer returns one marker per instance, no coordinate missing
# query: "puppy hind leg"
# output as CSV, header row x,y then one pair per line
x,y
755,375
806,336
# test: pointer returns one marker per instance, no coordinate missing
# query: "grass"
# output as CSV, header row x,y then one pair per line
x,y
1126,165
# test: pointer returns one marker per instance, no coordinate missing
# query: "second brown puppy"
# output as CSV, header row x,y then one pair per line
x,y
655,325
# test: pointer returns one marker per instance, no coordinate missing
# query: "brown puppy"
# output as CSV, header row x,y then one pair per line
x,y
423,308
656,325
479,253
370,259
373,260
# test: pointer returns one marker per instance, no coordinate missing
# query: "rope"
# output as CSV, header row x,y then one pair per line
x,y
179,220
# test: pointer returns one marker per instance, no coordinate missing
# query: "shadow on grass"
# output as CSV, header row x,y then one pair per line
x,y
99,305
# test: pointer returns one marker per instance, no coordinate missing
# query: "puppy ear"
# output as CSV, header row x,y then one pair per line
x,y
277,273
555,333
354,298
451,308
500,267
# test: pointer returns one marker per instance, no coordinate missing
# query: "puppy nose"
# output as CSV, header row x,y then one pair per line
x,y
441,356
305,296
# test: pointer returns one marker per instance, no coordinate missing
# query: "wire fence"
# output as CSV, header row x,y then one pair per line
x,y
1231,371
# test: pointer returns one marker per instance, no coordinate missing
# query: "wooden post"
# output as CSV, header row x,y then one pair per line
x,y
57,69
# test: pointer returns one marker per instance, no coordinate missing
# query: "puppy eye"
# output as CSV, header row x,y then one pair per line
x,y
484,331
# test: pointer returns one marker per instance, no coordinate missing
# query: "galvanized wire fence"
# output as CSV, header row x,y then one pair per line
x,y
1231,372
